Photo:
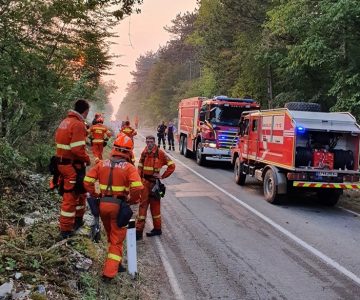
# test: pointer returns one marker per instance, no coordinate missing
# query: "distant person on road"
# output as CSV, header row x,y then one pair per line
x,y
171,130
128,130
136,122
99,134
118,181
151,161
71,159
161,133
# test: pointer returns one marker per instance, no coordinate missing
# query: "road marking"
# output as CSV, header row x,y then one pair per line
x,y
350,211
168,269
284,231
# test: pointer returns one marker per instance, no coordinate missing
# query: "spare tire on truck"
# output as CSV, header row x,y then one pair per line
x,y
303,106
343,159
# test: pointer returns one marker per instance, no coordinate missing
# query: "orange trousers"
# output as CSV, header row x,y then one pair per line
x,y
97,150
115,237
73,204
148,199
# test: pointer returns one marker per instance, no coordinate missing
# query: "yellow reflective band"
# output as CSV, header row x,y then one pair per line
x,y
79,207
170,162
157,217
98,141
127,130
72,181
141,218
337,186
98,131
136,184
114,188
76,144
349,186
67,214
89,179
114,257
148,168
318,185
62,146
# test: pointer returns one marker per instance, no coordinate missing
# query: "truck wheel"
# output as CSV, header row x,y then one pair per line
x,y
303,106
270,188
200,158
240,177
181,145
329,197
185,149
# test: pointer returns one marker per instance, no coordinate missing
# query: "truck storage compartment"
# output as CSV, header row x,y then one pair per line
x,y
326,150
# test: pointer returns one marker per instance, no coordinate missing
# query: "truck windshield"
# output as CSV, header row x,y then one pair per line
x,y
226,115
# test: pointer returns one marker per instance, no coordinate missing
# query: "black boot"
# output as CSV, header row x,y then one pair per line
x,y
169,148
139,235
173,148
106,279
66,234
79,222
154,232
121,269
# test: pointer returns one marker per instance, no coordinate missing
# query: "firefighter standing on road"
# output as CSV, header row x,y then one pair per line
x,y
128,130
98,134
150,163
116,177
71,159
161,133
171,130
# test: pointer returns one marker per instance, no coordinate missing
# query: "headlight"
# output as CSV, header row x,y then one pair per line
x,y
209,143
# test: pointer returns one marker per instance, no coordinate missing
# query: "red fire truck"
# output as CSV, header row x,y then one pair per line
x,y
208,127
288,149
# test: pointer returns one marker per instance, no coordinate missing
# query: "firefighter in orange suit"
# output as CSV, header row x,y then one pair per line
x,y
71,158
98,134
128,130
119,181
151,161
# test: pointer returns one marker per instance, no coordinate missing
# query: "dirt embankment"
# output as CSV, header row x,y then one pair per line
x,y
351,200
36,264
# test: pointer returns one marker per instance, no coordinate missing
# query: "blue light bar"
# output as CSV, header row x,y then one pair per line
x,y
225,98
300,129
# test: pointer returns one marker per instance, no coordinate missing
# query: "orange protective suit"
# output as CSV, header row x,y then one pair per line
x,y
126,184
129,131
98,133
150,163
71,155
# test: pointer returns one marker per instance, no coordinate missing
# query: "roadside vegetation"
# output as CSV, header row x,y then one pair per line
x,y
274,51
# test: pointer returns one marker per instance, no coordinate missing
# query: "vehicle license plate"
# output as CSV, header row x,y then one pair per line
x,y
326,174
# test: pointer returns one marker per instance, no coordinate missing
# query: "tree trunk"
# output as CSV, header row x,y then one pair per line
x,y
270,87
3,117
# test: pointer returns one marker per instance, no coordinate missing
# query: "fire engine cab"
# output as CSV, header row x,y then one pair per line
x,y
287,149
208,127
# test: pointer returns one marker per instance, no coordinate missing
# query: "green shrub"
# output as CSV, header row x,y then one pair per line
x,y
11,161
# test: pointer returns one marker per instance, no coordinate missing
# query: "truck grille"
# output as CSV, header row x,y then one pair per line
x,y
226,138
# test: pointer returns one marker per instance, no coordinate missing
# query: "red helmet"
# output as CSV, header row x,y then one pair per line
x,y
122,145
100,120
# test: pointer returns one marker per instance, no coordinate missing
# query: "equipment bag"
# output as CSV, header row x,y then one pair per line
x,y
124,215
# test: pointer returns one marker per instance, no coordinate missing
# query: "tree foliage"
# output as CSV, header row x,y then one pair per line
x,y
52,52
275,51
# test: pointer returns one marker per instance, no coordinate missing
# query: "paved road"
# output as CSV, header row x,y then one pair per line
x,y
226,242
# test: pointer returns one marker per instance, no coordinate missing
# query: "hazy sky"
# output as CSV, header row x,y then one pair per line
x,y
144,32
